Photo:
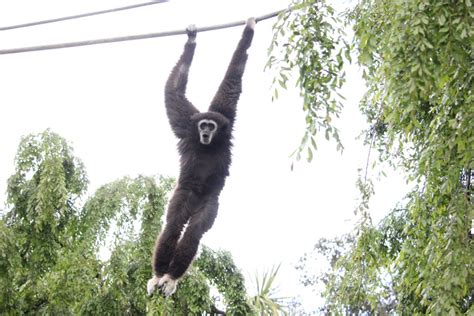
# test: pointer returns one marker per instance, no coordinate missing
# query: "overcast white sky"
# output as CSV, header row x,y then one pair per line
x,y
107,100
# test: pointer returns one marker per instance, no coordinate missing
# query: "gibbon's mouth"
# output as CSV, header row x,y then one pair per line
x,y
205,139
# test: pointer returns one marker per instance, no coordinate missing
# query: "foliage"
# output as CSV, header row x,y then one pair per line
x,y
50,245
220,269
417,62
359,266
41,223
264,302
316,49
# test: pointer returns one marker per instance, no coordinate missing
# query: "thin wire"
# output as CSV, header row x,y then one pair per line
x,y
131,37
83,15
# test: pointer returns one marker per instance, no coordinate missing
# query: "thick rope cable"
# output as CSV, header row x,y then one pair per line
x,y
83,15
131,37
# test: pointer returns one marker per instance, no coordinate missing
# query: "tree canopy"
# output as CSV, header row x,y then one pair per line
x,y
52,242
416,58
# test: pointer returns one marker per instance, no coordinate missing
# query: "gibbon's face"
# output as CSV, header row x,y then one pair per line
x,y
207,131
211,128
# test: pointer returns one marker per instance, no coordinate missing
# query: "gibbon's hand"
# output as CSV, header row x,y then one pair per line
x,y
191,30
251,23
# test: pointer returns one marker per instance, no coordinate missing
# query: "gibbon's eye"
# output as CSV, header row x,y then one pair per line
x,y
207,125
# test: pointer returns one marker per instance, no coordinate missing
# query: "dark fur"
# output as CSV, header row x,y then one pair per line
x,y
204,168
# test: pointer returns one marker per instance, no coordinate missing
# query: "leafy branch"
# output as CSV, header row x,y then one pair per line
x,y
309,38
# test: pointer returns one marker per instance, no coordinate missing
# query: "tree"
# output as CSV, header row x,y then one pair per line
x,y
356,277
50,244
417,62
41,225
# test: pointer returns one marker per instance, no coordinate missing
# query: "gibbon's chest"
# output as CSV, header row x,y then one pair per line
x,y
205,166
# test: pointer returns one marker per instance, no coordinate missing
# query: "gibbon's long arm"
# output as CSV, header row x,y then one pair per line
x,y
227,96
178,108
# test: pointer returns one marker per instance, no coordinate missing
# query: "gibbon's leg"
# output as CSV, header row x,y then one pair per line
x,y
176,217
200,222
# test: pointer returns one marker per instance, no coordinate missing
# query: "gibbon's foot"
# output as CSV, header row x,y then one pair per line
x,y
191,30
151,285
167,285
251,23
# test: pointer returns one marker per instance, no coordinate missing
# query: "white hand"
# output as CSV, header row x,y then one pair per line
x,y
251,23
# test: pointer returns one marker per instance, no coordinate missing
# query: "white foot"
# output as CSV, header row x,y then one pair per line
x,y
167,285
151,284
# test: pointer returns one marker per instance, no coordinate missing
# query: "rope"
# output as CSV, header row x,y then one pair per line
x,y
131,37
83,15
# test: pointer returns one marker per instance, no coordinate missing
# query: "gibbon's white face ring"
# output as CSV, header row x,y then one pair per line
x,y
207,129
